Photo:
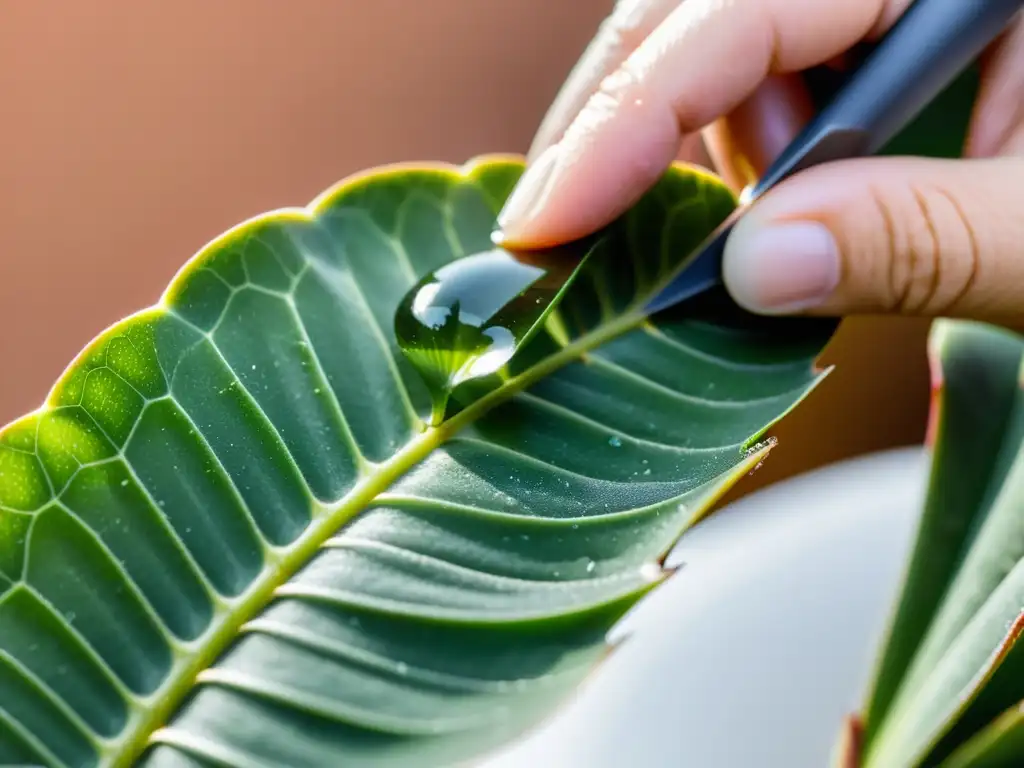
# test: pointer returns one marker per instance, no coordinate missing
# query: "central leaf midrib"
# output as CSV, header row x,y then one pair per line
x,y
282,563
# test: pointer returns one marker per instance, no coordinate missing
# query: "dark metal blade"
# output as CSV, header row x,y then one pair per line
x,y
703,272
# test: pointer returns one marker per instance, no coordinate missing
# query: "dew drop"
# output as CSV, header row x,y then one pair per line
x,y
651,572
615,441
465,321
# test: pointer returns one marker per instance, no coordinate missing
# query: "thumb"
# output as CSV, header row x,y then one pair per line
x,y
886,235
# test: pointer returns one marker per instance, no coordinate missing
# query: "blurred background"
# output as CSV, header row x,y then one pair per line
x,y
132,133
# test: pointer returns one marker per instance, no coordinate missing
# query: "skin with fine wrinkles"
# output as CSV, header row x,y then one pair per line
x,y
715,82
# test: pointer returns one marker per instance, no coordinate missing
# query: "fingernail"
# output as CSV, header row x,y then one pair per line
x,y
776,268
528,196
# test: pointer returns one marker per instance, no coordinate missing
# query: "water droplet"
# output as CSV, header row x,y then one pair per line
x,y
124,483
651,572
615,441
465,321
402,668
591,565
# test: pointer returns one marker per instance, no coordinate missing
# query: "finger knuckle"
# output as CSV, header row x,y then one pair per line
x,y
960,250
930,249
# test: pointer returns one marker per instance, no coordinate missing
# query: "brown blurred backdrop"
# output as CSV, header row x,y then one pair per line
x,y
134,132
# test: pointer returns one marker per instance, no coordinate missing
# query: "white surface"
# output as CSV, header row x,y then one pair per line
x,y
752,654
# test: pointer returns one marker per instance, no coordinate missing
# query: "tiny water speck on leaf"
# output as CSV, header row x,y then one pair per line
x,y
614,441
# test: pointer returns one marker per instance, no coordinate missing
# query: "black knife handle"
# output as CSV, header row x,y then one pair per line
x,y
926,49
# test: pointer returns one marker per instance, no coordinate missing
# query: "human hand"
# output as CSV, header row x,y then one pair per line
x,y
872,235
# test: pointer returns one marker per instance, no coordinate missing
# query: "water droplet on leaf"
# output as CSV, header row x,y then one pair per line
x,y
614,441
465,321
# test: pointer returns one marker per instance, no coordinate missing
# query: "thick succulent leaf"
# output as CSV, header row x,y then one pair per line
x,y
228,538
951,662
974,391
1000,745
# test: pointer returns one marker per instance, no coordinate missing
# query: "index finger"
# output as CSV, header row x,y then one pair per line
x,y
702,61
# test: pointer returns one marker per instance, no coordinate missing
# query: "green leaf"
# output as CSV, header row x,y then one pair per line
x,y
1000,745
229,537
951,662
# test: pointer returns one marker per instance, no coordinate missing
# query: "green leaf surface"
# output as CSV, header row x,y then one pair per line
x,y
230,538
951,663
1000,745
